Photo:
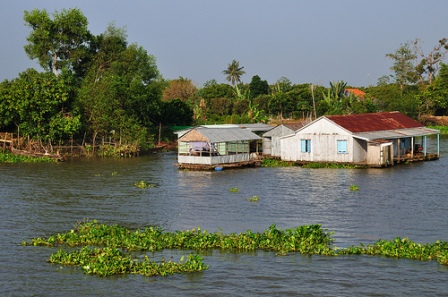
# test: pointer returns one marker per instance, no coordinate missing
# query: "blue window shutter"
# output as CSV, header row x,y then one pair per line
x,y
342,146
303,145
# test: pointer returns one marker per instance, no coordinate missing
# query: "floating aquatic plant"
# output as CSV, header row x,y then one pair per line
x,y
111,249
143,185
234,190
253,199
354,188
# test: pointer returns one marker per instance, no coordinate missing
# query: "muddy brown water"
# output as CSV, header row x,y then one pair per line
x,y
37,200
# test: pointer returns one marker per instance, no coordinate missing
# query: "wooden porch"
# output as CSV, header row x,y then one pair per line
x,y
418,157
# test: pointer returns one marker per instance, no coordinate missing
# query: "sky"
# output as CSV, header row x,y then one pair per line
x,y
314,41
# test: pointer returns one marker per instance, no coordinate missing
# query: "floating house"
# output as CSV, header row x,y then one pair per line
x,y
216,148
257,128
271,139
375,139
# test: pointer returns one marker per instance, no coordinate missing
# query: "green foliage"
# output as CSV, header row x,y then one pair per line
x,y
119,95
233,190
403,68
317,165
443,129
438,93
57,43
403,248
310,239
176,112
144,185
234,72
268,162
11,158
102,89
253,199
119,247
354,188
112,261
35,102
258,87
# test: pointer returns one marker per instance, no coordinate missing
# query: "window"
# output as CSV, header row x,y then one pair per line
x,y
342,146
305,145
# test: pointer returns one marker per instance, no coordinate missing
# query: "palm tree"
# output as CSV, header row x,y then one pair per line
x,y
234,72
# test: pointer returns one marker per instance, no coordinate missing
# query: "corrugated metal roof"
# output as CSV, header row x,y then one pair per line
x,y
282,129
219,134
251,127
368,122
394,134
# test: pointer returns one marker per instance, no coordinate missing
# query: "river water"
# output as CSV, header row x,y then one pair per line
x,y
408,200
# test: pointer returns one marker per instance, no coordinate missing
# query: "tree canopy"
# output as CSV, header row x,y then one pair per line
x,y
234,72
101,90
59,42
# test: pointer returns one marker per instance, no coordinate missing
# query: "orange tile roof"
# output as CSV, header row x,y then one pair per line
x,y
356,92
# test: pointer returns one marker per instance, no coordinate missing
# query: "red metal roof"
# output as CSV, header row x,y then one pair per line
x,y
380,121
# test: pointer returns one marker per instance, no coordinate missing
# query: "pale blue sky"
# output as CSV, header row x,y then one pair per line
x,y
314,41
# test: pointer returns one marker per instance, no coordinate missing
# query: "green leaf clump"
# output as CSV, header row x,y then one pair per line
x,y
115,247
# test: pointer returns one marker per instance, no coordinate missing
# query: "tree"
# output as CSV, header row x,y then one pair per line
x,y
283,84
36,105
215,100
430,63
334,99
404,69
181,88
258,87
120,95
437,94
57,43
234,72
177,112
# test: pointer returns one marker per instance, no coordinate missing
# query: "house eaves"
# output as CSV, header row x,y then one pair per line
x,y
215,135
395,134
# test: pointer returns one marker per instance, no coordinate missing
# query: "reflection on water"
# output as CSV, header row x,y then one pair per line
x,y
406,201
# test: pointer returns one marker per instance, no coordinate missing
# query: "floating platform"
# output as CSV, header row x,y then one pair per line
x,y
219,167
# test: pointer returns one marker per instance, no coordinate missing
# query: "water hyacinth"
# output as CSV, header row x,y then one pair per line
x,y
114,246
111,261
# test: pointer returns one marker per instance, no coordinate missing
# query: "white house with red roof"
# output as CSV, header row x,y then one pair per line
x,y
374,139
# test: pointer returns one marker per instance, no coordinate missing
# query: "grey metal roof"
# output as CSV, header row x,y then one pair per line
x,y
223,134
394,134
280,130
251,127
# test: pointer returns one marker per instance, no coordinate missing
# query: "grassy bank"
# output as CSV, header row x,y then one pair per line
x,y
443,129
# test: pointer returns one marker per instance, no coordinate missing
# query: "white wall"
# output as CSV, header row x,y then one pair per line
x,y
324,136
207,160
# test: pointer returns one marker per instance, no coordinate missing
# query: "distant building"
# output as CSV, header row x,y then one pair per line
x,y
357,93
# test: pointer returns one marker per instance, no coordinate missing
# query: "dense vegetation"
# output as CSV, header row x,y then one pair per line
x,y
101,91
114,247
12,158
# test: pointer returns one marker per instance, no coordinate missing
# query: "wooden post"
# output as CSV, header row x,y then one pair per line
x,y
160,131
